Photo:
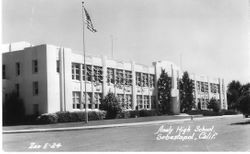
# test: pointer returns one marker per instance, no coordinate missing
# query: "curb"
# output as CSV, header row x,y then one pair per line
x,y
113,125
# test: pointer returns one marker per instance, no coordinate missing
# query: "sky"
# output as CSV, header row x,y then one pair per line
x,y
206,37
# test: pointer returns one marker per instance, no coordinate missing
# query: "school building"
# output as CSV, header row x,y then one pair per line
x,y
50,78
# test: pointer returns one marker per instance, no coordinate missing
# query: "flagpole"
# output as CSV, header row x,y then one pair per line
x,y
85,68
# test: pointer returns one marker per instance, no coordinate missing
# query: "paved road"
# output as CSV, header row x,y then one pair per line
x,y
227,134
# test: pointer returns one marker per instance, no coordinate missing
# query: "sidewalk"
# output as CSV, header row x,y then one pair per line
x,y
105,123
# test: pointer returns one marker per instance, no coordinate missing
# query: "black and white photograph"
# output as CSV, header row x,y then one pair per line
x,y
125,75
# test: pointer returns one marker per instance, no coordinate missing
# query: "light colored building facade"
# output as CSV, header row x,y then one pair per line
x,y
50,79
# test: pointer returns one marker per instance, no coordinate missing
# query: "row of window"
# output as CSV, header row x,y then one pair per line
x,y
144,103
145,80
94,73
124,99
18,68
114,76
203,87
215,88
120,77
76,96
202,103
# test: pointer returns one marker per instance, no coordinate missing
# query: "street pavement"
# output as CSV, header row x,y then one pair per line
x,y
221,134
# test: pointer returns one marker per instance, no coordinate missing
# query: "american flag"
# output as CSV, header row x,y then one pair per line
x,y
88,21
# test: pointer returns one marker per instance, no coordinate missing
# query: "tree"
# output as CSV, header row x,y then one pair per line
x,y
111,105
186,93
233,94
243,103
245,89
164,91
214,105
13,109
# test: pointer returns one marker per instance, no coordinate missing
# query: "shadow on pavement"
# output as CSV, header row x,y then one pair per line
x,y
241,123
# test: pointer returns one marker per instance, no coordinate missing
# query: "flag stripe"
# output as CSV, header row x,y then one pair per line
x,y
88,21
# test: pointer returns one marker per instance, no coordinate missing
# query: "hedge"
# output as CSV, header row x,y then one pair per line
x,y
50,118
137,113
47,118
212,113
229,112
147,113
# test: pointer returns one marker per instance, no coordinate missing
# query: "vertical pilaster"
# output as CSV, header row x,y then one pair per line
x,y
221,95
155,86
225,95
134,92
209,89
81,86
104,70
61,61
92,87
115,82
196,91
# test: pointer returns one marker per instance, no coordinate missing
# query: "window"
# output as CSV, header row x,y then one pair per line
x,y
17,89
34,66
198,86
35,88
76,99
83,72
17,69
89,72
151,80
146,102
128,78
204,103
89,100
205,87
97,100
119,77
214,88
144,80
75,71
138,79
128,101
139,102
58,66
110,77
98,74
4,71
120,99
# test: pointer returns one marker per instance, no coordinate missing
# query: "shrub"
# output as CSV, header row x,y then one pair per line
x,y
123,114
50,118
129,114
211,113
80,116
229,112
13,109
214,105
97,115
64,116
146,113
195,112
47,118
134,113
111,105
244,104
